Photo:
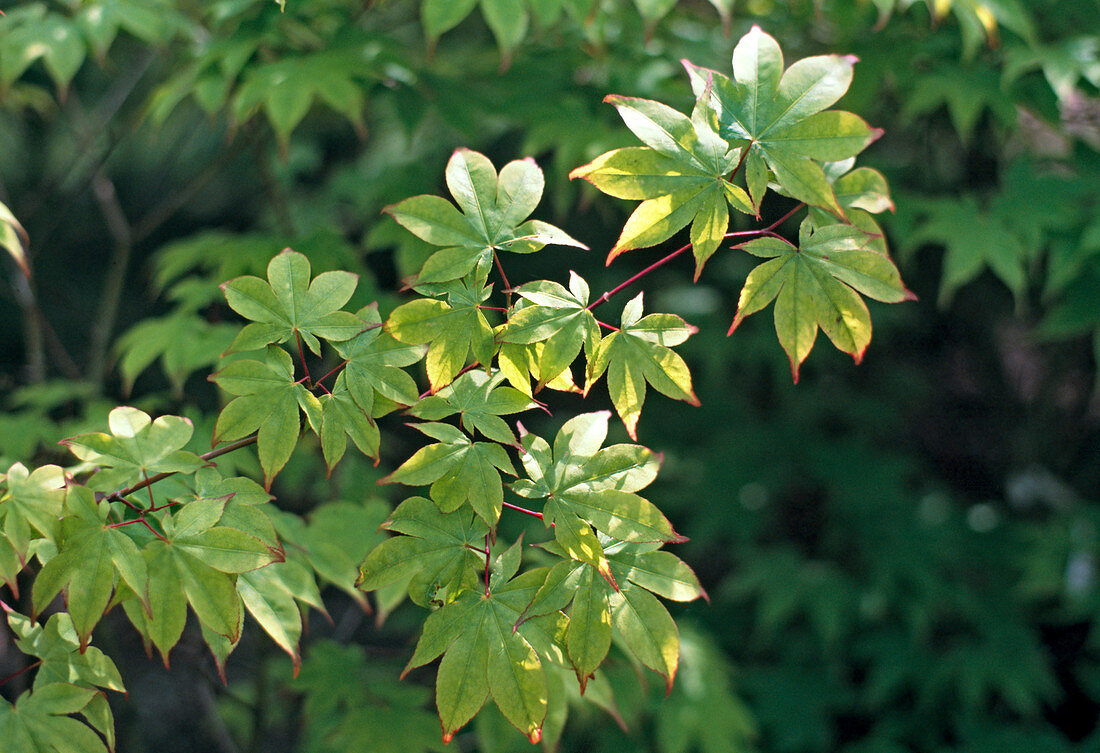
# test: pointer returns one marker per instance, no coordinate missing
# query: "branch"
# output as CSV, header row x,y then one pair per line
x,y
111,296
635,278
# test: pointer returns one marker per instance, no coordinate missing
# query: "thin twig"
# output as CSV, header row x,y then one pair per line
x,y
523,510
503,279
118,495
27,668
635,278
111,296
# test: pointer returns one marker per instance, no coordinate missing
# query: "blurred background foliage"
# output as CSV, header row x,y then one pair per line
x,y
901,556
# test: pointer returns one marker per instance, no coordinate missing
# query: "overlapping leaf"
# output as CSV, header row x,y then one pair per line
x,y
268,403
459,471
30,506
556,317
63,657
374,362
680,176
586,486
289,306
40,720
781,117
480,401
452,329
494,216
815,285
442,553
637,353
136,448
486,655
599,605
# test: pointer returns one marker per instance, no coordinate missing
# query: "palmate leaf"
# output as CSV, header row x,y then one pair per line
x,y
30,506
342,418
136,448
40,720
679,176
556,317
374,364
451,329
289,306
600,605
196,563
485,654
92,557
494,209
441,552
480,400
815,285
638,353
63,659
588,487
268,404
459,471
781,116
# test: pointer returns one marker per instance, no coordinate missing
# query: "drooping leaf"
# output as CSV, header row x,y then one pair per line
x,y
485,655
815,284
374,364
637,353
64,658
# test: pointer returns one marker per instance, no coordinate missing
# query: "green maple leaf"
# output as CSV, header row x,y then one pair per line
x,y
30,506
638,353
480,401
989,243
92,556
342,418
373,364
586,486
182,342
354,704
459,471
290,307
268,404
494,216
442,553
452,329
486,655
196,563
861,192
39,721
136,448
815,285
679,176
556,317
780,117
63,658
624,603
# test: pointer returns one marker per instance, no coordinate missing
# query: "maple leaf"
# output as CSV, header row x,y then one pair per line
x,y
459,471
814,285
289,306
638,353
480,400
441,552
780,117
486,654
494,210
678,175
586,486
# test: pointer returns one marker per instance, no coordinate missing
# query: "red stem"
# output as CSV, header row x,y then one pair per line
x,y
486,565
333,371
118,496
503,279
27,668
635,278
523,509
302,356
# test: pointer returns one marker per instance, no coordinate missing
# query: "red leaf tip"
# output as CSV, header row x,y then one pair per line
x,y
535,736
